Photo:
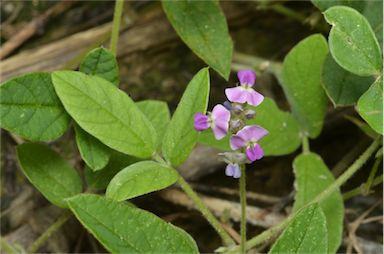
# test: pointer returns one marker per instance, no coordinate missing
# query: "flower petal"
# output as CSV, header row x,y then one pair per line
x,y
236,94
201,122
252,133
237,172
237,142
247,77
254,98
220,129
254,152
233,170
220,113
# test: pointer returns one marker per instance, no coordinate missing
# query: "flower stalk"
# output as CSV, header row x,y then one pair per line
x,y
116,25
243,201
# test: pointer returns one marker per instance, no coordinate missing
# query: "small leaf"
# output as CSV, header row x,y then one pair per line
x,y
343,87
121,228
49,173
94,153
105,112
370,106
139,179
202,26
100,179
284,132
181,137
307,233
157,113
101,62
302,83
352,42
29,107
313,177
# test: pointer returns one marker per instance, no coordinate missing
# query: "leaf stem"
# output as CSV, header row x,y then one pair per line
x,y
206,212
47,234
361,189
243,201
305,143
116,25
7,247
372,174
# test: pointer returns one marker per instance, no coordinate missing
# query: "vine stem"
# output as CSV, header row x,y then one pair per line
x,y
47,234
243,201
205,211
116,25
267,234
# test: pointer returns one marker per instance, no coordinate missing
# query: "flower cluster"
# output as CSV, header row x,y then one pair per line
x,y
231,117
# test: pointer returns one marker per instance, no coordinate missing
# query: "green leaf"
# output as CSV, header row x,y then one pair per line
x,y
313,177
105,112
181,137
342,87
284,132
101,62
203,27
307,233
94,153
100,179
139,179
30,108
325,4
124,229
158,114
352,42
49,173
302,83
370,106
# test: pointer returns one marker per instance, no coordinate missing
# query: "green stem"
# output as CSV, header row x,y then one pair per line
x,y
305,143
372,174
116,25
243,201
267,234
8,248
47,234
206,212
361,190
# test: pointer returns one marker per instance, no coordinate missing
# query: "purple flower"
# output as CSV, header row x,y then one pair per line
x,y
233,170
218,120
245,92
248,138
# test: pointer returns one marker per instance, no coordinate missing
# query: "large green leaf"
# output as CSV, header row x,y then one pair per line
x,y
302,83
307,233
101,62
158,114
343,87
312,177
100,179
181,137
352,42
124,229
49,173
202,26
139,179
30,108
105,112
370,106
284,132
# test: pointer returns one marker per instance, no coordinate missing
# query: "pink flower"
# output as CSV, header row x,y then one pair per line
x,y
233,170
218,120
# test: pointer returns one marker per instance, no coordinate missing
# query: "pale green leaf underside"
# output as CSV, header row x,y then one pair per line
x,y
105,112
139,179
30,108
312,177
49,173
307,233
203,27
181,137
124,229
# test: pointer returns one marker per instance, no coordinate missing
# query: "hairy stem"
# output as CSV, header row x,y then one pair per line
x,y
47,234
116,25
243,201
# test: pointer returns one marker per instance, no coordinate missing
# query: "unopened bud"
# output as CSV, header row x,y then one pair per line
x,y
235,124
227,105
237,108
249,114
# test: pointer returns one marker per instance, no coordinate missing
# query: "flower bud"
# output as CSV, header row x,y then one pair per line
x,y
249,114
227,105
237,108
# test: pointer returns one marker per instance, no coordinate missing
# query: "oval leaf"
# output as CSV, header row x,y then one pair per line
x,y
124,229
29,107
181,137
370,106
49,173
202,26
105,112
352,42
302,83
342,87
312,177
307,233
101,62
